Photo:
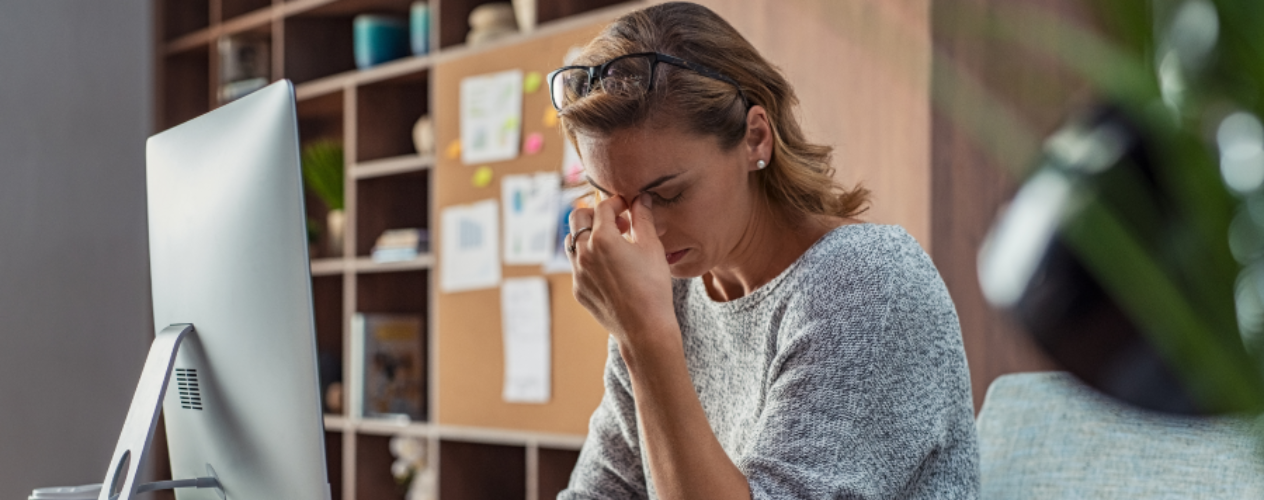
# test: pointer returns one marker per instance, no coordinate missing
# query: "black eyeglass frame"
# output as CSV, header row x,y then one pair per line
x,y
595,73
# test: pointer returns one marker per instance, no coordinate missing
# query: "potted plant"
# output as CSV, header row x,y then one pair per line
x,y
323,168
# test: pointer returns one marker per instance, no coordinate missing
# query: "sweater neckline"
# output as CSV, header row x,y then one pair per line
x,y
757,295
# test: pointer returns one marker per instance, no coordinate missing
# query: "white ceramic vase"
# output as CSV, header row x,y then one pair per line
x,y
524,12
336,225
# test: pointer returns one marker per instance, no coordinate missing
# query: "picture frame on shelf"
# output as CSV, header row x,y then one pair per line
x,y
390,366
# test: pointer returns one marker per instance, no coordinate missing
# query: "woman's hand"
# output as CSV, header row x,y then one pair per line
x,y
622,279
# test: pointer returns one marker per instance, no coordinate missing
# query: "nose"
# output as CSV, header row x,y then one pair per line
x,y
660,222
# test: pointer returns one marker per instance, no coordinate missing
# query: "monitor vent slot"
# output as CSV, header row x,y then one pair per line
x,y
190,392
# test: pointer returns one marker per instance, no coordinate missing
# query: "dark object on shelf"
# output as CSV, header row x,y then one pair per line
x,y
1043,262
245,65
379,38
329,370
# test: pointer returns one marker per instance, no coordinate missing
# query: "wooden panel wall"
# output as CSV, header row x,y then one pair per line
x,y
471,367
969,184
861,69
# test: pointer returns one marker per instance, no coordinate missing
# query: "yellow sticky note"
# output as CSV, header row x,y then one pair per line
x,y
550,117
482,176
531,82
454,150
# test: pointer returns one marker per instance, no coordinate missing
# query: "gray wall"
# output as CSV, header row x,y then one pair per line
x,y
75,109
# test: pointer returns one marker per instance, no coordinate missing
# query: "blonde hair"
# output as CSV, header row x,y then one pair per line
x,y
798,176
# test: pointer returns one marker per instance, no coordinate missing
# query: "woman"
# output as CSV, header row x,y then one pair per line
x,y
764,342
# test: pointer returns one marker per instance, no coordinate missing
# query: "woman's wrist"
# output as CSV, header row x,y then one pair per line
x,y
649,347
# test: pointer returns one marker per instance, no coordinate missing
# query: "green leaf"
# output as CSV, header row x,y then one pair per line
x,y
323,172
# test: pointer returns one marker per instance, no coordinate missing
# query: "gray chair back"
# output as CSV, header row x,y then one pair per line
x,y
1048,436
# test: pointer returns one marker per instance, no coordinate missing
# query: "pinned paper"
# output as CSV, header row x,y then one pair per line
x,y
568,201
471,247
531,83
534,143
491,117
530,209
454,150
572,166
525,323
550,117
482,176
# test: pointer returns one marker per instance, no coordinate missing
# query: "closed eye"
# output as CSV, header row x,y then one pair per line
x,y
660,200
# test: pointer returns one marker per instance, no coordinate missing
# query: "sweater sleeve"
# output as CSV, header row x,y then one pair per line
x,y
609,465
867,402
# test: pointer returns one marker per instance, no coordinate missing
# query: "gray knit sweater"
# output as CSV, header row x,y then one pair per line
x,y
843,377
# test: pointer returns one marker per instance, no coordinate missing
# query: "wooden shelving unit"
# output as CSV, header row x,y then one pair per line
x,y
372,112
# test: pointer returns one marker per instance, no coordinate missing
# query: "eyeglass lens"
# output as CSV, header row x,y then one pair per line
x,y
625,77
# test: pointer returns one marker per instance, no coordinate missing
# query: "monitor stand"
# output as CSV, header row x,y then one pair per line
x,y
142,419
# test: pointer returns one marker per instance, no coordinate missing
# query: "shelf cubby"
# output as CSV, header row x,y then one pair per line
x,y
327,293
317,46
554,470
373,469
390,202
333,462
404,292
387,111
186,91
476,471
320,117
181,17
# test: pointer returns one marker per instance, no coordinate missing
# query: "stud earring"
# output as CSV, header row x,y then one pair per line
x,y
760,164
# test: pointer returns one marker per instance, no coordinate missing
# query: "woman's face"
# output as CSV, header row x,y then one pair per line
x,y
702,195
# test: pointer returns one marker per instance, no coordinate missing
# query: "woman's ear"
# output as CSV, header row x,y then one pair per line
x,y
758,137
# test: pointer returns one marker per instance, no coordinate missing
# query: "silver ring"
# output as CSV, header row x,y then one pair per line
x,y
575,236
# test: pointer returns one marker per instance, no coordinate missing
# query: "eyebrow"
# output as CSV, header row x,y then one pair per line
x,y
652,184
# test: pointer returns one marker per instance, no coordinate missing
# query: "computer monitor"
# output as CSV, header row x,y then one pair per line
x,y
228,255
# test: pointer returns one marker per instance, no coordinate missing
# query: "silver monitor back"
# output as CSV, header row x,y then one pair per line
x,y
228,253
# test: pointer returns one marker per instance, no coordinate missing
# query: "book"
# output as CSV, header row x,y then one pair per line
x,y
397,245
389,360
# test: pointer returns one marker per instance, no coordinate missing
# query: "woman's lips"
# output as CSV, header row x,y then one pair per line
x,y
675,257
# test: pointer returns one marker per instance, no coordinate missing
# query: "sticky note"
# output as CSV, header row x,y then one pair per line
x,y
534,143
531,83
482,176
550,117
454,150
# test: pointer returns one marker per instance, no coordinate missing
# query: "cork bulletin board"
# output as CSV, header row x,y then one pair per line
x,y
470,357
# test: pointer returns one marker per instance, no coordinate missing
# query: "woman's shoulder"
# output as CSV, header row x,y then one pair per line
x,y
862,255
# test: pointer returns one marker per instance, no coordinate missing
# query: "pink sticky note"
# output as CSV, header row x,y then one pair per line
x,y
534,143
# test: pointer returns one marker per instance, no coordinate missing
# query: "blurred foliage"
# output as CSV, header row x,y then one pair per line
x,y
1179,243
323,172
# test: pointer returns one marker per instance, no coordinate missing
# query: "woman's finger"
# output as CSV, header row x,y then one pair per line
x,y
642,212
581,218
605,214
